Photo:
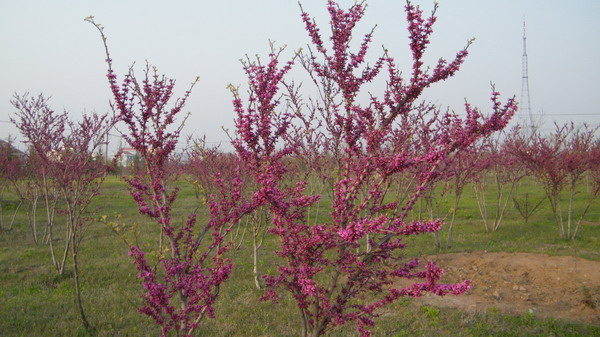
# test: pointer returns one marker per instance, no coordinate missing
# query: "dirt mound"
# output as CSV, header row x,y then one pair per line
x,y
563,287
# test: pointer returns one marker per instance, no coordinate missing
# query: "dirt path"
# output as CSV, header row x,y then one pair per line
x,y
562,287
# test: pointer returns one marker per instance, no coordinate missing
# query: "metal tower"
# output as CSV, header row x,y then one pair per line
x,y
525,108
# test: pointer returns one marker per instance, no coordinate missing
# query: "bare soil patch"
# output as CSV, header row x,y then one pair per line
x,y
562,287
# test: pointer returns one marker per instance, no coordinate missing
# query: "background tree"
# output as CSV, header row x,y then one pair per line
x,y
11,169
558,160
500,166
43,129
461,169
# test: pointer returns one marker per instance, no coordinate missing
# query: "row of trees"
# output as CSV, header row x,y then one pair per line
x,y
560,162
373,157
61,171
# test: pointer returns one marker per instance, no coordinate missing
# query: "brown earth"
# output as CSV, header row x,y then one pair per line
x,y
562,287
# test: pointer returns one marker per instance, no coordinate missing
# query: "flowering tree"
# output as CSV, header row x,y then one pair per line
x,y
516,139
203,164
43,129
22,176
499,165
80,173
462,168
417,132
193,263
593,163
324,270
11,169
578,159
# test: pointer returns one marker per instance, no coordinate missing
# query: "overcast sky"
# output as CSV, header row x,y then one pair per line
x,y
47,47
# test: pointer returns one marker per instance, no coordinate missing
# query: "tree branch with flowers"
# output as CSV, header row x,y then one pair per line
x,y
193,265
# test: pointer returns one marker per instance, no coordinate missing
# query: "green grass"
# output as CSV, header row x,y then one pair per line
x,y
34,301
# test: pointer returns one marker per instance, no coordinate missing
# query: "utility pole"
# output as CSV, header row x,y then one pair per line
x,y
525,107
106,149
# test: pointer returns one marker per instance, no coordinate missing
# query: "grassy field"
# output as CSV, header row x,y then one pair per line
x,y
34,301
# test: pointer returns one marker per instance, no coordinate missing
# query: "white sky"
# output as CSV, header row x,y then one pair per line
x,y
47,47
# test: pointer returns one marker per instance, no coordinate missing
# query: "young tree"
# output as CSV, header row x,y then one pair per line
x,y
516,139
499,165
193,262
593,162
79,176
578,159
11,169
204,163
461,169
43,129
327,274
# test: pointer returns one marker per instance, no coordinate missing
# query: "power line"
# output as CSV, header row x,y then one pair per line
x,y
580,114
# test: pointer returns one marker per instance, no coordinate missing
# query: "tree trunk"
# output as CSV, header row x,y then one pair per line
x,y
86,323
451,227
570,214
481,203
255,248
1,215
501,215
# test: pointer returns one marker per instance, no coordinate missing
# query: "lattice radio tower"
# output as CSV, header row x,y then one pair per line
x,y
525,108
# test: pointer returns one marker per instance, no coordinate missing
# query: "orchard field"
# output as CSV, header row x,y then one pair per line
x,y
346,205
38,302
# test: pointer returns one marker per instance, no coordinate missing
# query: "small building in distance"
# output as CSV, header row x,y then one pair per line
x,y
127,156
13,150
